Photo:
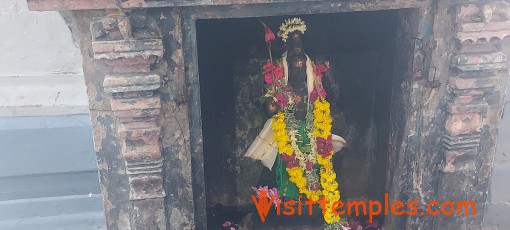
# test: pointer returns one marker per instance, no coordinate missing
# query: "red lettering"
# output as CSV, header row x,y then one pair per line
x,y
337,205
465,205
429,208
413,207
452,208
371,211
289,207
262,204
351,204
310,204
395,206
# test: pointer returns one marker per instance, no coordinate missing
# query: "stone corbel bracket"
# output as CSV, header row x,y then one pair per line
x,y
478,67
475,80
488,22
131,45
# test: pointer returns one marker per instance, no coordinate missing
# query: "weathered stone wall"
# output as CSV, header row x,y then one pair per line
x,y
456,99
249,120
128,115
176,138
479,73
106,141
407,79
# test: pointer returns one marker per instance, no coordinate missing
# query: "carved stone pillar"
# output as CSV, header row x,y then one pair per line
x,y
477,88
131,45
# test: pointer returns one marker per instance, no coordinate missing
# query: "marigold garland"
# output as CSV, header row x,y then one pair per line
x,y
322,131
280,135
284,143
322,124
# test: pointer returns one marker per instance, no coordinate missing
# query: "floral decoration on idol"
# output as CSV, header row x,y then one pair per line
x,y
269,193
289,26
228,225
309,167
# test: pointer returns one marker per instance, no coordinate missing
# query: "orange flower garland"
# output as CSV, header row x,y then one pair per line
x,y
322,123
280,134
322,130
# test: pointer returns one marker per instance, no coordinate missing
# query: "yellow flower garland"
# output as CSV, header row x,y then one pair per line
x,y
322,128
284,147
322,123
280,134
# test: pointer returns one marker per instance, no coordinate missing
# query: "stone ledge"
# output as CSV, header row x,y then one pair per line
x,y
479,47
473,83
479,61
127,48
136,157
136,115
136,103
123,83
487,31
54,5
462,141
137,64
153,166
146,187
482,27
138,130
467,108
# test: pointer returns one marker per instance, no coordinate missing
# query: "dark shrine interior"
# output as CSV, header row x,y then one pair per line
x,y
361,47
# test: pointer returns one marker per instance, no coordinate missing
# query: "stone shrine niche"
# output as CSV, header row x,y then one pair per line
x,y
361,50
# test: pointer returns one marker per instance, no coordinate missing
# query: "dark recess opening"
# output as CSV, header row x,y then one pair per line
x,y
361,47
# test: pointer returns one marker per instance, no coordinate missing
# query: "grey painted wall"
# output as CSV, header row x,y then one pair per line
x,y
40,66
48,173
30,144
35,43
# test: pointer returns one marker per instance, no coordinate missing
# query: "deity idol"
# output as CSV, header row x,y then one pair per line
x,y
298,136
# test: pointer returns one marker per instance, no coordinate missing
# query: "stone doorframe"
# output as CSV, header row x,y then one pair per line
x,y
142,80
